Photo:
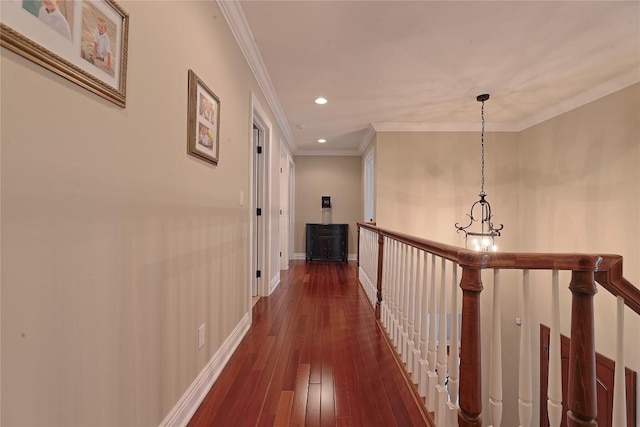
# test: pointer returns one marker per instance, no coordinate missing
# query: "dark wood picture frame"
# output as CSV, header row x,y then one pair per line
x,y
66,45
203,121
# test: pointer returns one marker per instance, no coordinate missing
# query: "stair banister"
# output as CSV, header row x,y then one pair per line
x,y
586,270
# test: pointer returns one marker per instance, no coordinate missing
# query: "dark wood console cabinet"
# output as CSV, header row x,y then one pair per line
x,y
327,242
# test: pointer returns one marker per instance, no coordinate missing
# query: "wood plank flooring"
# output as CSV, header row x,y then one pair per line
x,y
314,356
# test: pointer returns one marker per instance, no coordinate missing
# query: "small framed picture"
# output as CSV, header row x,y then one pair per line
x,y
203,121
84,41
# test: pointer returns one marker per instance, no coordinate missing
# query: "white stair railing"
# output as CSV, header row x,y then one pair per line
x,y
495,370
554,381
525,376
619,394
432,314
411,330
441,393
454,355
424,327
417,318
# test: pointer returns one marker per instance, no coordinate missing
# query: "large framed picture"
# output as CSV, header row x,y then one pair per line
x,y
203,121
84,41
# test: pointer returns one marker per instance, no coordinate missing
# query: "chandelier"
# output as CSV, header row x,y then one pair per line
x,y
484,239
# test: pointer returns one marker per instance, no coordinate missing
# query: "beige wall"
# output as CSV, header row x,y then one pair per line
x,y
580,192
117,245
570,184
427,181
337,176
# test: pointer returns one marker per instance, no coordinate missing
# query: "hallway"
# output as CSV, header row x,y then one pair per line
x,y
314,356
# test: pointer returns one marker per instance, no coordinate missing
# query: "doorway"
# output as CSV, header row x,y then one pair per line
x,y
261,246
258,202
286,206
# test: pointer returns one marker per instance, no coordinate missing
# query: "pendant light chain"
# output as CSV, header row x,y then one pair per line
x,y
482,145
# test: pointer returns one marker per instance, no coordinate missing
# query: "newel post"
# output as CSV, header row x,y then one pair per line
x,y
469,414
581,399
379,284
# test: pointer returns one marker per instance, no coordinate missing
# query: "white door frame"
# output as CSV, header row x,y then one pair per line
x,y
369,213
260,240
285,206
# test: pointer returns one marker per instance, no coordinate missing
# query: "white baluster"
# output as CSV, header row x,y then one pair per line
x,y
525,388
417,315
367,262
393,280
374,285
405,304
402,291
385,281
619,389
495,372
441,389
374,270
396,300
554,390
410,315
424,327
432,378
390,281
454,367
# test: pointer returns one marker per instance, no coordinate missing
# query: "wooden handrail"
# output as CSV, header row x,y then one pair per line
x,y
607,268
611,279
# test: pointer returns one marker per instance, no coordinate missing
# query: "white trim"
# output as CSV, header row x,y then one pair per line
x,y
184,409
299,255
260,118
367,139
440,127
607,88
233,14
274,283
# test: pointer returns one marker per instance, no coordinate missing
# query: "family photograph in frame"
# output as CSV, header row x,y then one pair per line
x,y
203,120
85,41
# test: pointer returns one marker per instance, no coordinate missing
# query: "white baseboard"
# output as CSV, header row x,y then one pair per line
x,y
188,404
274,283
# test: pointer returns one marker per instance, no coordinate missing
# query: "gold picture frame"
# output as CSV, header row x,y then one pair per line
x,y
203,120
84,41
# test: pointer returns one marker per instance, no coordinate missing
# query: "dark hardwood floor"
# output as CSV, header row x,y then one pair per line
x,y
314,356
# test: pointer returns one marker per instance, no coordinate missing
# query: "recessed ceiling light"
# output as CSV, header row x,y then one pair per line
x,y
322,140
321,101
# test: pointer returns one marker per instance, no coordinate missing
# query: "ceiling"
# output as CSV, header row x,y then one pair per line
x,y
419,65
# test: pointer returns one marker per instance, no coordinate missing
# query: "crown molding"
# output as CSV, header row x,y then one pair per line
x,y
367,138
239,26
618,83
233,14
625,80
439,127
